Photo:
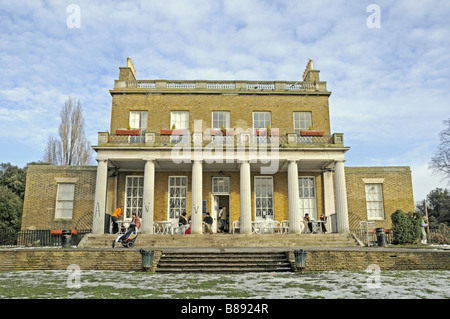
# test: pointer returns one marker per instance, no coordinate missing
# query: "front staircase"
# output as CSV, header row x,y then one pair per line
x,y
222,253
223,262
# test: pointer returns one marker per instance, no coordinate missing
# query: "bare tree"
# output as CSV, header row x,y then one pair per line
x,y
440,162
71,146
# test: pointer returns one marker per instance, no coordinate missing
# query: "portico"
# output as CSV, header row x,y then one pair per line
x,y
247,173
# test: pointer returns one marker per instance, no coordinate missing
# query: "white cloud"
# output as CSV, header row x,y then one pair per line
x,y
390,85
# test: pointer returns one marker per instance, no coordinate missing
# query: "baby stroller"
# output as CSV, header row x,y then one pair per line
x,y
124,238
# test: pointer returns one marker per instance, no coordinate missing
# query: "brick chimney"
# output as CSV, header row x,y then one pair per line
x,y
310,75
127,73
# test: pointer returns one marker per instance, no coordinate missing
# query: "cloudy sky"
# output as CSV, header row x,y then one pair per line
x,y
390,84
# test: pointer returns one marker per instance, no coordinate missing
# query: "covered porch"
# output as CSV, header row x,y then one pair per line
x,y
266,193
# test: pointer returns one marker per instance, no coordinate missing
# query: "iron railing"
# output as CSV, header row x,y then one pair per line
x,y
38,238
439,235
225,140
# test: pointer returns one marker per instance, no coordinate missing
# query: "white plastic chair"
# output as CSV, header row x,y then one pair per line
x,y
236,225
284,226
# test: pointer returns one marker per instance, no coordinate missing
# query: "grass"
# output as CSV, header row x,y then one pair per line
x,y
139,285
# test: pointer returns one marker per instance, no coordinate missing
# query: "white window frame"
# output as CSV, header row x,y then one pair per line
x,y
258,126
138,120
183,195
257,121
64,206
308,204
302,121
374,201
134,193
264,211
221,185
176,118
219,118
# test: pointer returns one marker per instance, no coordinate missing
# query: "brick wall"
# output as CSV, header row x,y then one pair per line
x,y
397,192
131,260
40,195
41,188
240,106
324,260
60,259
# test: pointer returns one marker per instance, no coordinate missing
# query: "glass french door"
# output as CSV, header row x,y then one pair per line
x,y
133,196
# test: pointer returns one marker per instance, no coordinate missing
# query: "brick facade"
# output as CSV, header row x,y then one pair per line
x,y
397,192
201,98
42,186
240,107
41,190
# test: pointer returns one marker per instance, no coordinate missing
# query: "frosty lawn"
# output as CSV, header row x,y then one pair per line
x,y
329,285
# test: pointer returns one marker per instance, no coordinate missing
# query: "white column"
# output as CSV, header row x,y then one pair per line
x,y
245,197
341,198
98,223
196,203
148,197
328,201
294,201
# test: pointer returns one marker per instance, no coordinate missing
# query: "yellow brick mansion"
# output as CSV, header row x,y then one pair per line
x,y
263,149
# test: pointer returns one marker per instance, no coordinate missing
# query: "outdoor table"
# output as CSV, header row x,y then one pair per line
x,y
165,227
317,225
262,226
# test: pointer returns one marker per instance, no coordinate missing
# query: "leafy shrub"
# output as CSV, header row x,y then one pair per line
x,y
406,227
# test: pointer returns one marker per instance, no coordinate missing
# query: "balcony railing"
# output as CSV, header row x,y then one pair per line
x,y
203,85
290,140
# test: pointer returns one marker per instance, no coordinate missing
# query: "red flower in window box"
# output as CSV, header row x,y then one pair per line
x,y
221,132
173,132
311,133
267,132
128,132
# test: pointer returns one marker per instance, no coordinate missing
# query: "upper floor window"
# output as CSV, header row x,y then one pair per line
x,y
261,119
180,119
302,121
138,120
64,200
220,118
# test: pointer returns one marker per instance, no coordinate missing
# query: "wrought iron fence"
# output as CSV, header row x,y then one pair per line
x,y
439,235
369,238
38,238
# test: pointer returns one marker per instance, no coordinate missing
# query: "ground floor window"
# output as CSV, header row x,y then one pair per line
x,y
374,201
264,197
307,194
133,196
64,200
177,196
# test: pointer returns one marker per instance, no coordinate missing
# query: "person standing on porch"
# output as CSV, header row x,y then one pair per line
x,y
115,216
222,219
323,218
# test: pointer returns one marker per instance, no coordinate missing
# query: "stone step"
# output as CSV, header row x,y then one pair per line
x,y
225,240
221,270
223,262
